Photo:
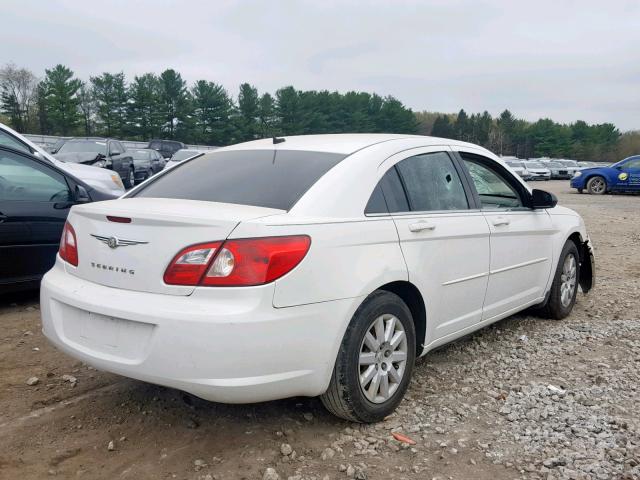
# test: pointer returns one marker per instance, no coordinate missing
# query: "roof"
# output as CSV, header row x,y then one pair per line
x,y
344,143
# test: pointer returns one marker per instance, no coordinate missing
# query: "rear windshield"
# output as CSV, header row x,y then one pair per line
x,y
263,178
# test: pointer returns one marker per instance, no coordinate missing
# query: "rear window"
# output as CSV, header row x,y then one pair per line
x,y
263,178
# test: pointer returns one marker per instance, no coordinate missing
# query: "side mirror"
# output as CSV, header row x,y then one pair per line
x,y
81,195
541,199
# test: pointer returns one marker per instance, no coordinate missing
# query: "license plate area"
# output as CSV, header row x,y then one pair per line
x,y
106,336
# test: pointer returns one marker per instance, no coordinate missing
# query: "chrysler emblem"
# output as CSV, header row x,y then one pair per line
x,y
115,242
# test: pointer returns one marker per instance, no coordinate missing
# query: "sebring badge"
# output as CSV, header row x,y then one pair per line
x,y
115,242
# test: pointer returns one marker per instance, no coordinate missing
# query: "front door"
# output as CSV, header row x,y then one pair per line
x,y
629,176
444,241
34,203
521,238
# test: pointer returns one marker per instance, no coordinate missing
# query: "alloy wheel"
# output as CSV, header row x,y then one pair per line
x,y
568,280
383,358
597,185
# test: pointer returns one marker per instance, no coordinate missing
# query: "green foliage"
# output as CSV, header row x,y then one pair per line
x,y
61,99
144,115
164,106
212,113
110,93
249,113
175,102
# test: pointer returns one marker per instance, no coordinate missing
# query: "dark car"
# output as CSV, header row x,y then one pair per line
x,y
166,147
35,198
623,176
100,152
147,163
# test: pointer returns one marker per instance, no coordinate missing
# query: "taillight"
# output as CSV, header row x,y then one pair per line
x,y
69,245
188,266
243,262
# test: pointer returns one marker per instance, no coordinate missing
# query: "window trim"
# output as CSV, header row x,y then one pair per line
x,y
472,200
520,189
17,140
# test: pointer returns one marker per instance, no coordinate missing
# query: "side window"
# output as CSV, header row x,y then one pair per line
x,y
494,189
155,144
22,179
432,183
631,165
9,141
388,196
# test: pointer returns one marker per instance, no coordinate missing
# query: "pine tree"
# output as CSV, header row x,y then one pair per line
x,y
61,94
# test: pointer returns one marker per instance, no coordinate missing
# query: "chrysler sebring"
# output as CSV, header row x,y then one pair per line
x,y
313,265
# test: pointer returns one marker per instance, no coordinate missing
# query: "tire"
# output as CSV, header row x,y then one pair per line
x,y
130,180
597,185
564,289
145,177
346,397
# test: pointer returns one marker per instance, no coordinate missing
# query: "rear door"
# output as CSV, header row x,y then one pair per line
x,y
632,171
34,203
444,240
521,238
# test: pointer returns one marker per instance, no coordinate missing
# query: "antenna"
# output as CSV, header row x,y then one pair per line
x,y
277,140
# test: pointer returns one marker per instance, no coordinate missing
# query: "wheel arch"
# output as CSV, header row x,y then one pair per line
x,y
410,295
587,266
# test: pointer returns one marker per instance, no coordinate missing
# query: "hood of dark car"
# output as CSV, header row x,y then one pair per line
x,y
79,157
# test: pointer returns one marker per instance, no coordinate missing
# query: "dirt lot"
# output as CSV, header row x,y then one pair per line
x,y
524,398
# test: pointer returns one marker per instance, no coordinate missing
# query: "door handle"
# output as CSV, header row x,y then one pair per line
x,y
498,221
420,226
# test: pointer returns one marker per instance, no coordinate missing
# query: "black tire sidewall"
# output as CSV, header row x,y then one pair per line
x,y
348,366
556,309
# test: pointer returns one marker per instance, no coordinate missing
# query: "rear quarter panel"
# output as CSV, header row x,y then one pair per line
x,y
348,257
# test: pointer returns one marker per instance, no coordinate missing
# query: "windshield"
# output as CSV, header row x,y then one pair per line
x,y
263,178
555,164
183,155
82,146
535,165
140,154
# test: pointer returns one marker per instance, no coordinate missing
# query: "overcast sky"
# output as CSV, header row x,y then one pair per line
x,y
566,60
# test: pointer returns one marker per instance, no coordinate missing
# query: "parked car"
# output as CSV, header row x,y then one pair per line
x,y
35,198
537,170
558,169
518,167
56,146
166,147
100,179
100,152
623,176
184,154
572,166
147,163
322,265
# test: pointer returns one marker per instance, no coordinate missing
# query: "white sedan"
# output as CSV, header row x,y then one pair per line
x,y
314,265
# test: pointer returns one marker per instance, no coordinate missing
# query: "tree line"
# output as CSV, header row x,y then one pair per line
x,y
510,136
204,112
164,106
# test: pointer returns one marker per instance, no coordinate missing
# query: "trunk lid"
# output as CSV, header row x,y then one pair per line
x,y
135,255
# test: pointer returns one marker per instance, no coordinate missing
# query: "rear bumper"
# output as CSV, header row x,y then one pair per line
x,y
227,345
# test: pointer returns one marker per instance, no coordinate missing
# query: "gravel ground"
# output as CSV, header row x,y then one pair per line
x,y
523,399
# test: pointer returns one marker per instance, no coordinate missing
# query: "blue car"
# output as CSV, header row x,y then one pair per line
x,y
623,176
